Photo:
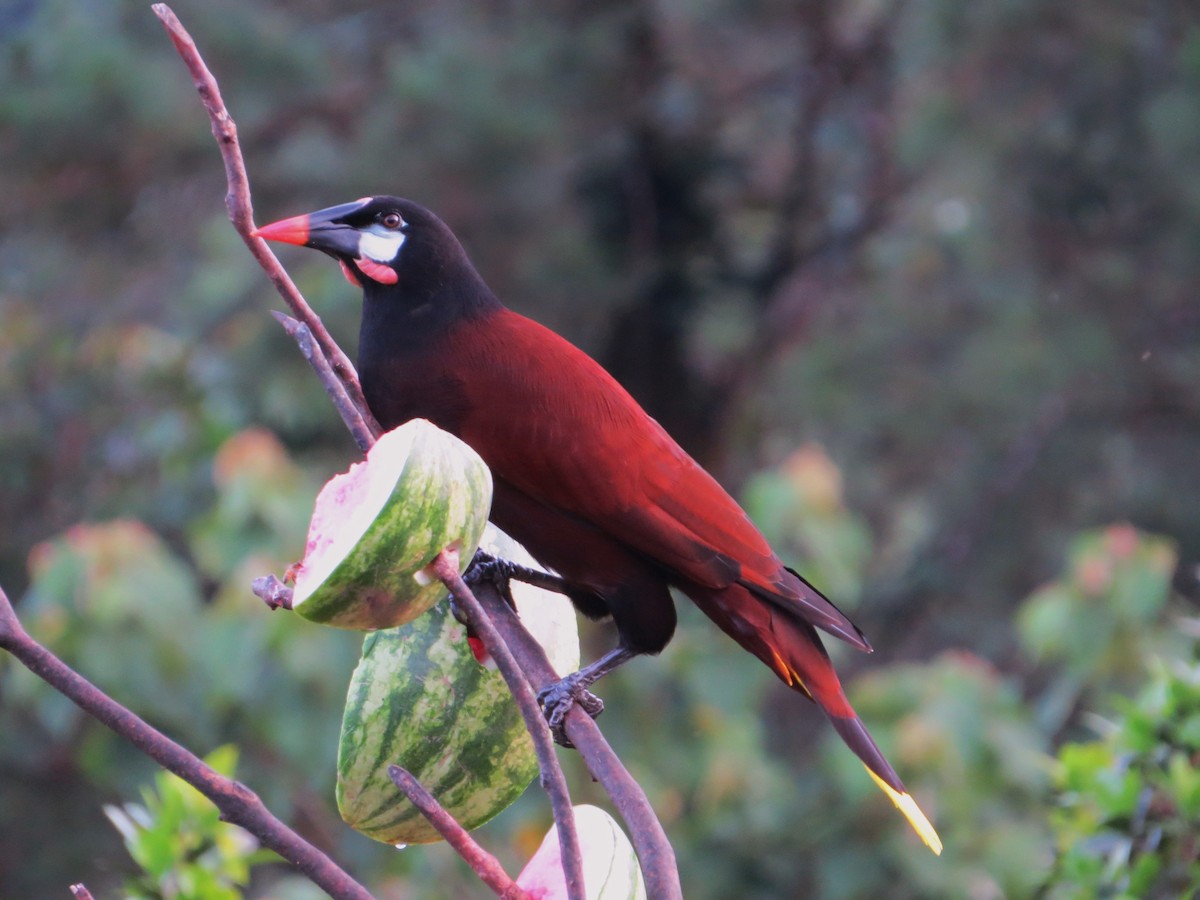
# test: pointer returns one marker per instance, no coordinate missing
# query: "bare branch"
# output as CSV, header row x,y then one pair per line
x,y
798,272
553,780
237,803
361,423
241,210
486,866
832,61
655,855
273,592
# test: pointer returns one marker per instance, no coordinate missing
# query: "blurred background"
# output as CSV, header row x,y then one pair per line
x,y
918,281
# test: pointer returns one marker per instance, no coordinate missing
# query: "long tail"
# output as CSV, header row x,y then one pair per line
x,y
793,651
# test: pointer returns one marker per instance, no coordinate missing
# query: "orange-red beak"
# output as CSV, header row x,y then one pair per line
x,y
325,229
286,231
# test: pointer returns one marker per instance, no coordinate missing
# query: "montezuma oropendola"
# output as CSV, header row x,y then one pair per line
x,y
584,478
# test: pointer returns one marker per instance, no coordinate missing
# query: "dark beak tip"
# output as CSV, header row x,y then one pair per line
x,y
325,230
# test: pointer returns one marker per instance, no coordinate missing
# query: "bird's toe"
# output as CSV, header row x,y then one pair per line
x,y
557,699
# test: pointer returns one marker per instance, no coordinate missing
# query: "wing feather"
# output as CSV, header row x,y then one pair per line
x,y
585,446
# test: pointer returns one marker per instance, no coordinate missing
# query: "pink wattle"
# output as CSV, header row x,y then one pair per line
x,y
384,274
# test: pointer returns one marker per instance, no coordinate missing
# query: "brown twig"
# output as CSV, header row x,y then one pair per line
x,y
655,855
273,592
241,210
796,198
445,567
361,423
237,803
486,866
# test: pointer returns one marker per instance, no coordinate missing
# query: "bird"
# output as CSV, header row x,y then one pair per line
x,y
587,480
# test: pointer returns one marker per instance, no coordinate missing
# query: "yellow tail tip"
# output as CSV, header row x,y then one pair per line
x,y
909,809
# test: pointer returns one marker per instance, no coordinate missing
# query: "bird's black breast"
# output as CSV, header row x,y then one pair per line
x,y
407,360
400,389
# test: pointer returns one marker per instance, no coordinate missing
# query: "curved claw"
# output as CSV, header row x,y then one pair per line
x,y
482,566
557,699
486,568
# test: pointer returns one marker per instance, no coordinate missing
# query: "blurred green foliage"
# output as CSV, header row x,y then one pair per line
x,y
178,840
916,280
1129,803
1116,570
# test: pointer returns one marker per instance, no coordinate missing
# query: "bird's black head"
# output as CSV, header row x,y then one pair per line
x,y
392,248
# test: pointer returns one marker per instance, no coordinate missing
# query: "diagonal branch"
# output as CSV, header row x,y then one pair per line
x,y
655,855
846,74
486,866
241,210
834,64
445,567
797,197
237,803
362,426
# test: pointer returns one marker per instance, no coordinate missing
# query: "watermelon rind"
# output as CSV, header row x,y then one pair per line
x,y
376,528
610,866
419,699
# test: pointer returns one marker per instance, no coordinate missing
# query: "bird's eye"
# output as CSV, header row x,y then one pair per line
x,y
392,220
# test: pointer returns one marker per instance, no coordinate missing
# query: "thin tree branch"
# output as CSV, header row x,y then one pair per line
x,y
655,855
831,63
445,567
241,210
362,425
237,803
486,866
273,592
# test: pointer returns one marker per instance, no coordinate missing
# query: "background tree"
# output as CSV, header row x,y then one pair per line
x,y
926,271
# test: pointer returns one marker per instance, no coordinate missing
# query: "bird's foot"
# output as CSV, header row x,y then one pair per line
x,y
557,699
500,573
482,568
485,567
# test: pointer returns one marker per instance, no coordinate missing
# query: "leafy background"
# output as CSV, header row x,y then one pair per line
x,y
918,281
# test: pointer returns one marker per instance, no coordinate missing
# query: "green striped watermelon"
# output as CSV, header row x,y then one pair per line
x,y
610,867
419,699
376,528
